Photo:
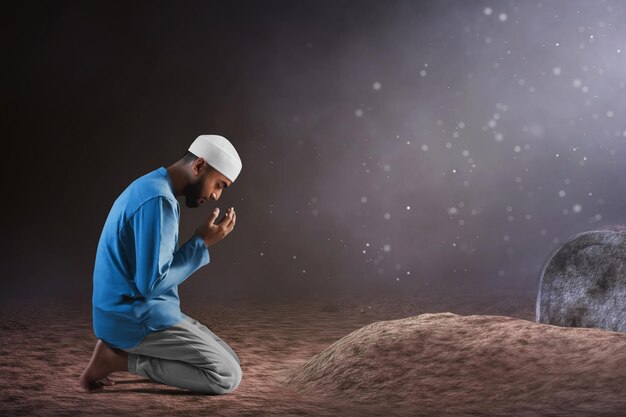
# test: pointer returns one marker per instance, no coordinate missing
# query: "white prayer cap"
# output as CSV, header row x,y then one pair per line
x,y
219,153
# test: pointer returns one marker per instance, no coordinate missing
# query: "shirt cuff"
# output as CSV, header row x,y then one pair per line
x,y
201,246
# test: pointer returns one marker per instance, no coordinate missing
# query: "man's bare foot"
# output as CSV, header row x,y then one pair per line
x,y
106,381
104,361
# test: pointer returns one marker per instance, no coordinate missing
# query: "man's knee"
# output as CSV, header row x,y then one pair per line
x,y
225,382
233,379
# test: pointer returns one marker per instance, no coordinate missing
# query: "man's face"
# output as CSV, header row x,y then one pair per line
x,y
209,185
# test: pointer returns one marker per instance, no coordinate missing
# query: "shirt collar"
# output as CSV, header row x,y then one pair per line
x,y
163,171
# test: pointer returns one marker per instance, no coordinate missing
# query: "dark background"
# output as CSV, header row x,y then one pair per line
x,y
387,146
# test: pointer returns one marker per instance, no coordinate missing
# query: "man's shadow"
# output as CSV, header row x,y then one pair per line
x,y
156,389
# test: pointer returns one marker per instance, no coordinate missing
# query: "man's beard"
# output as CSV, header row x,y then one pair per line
x,y
192,193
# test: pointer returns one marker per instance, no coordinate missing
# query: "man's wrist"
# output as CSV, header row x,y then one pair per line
x,y
199,236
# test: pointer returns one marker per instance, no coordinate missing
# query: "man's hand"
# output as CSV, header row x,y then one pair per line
x,y
212,232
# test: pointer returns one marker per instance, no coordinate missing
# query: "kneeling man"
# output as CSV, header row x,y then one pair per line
x,y
139,265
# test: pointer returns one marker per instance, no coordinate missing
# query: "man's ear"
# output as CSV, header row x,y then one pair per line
x,y
197,165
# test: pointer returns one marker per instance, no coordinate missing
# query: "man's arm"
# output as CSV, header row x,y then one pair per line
x,y
159,265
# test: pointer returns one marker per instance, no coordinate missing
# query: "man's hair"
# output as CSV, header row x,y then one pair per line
x,y
189,157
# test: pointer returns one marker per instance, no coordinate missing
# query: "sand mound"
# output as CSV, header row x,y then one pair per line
x,y
447,362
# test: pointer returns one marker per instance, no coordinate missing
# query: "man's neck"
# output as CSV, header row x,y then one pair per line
x,y
178,174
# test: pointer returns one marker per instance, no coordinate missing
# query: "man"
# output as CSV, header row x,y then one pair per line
x,y
139,265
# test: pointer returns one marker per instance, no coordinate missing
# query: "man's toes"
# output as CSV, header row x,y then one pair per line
x,y
96,386
106,381
91,386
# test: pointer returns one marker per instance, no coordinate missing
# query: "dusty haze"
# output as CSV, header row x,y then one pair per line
x,y
387,146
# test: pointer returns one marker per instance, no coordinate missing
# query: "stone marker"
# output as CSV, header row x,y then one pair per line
x,y
583,283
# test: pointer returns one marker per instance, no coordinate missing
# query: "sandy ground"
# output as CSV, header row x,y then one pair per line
x,y
44,348
481,364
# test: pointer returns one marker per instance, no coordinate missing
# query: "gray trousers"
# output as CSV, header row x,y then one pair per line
x,y
187,355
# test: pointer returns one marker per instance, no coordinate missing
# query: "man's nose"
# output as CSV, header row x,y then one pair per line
x,y
216,195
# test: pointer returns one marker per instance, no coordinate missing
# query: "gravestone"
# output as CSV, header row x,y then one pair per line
x,y
583,283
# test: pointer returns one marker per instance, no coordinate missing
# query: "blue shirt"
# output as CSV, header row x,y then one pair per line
x,y
139,264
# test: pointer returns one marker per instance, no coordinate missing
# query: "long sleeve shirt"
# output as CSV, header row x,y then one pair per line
x,y
139,263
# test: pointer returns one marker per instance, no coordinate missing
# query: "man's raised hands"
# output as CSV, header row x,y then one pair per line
x,y
213,232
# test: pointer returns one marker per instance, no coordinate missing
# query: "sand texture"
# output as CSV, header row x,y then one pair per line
x,y
440,365
482,364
